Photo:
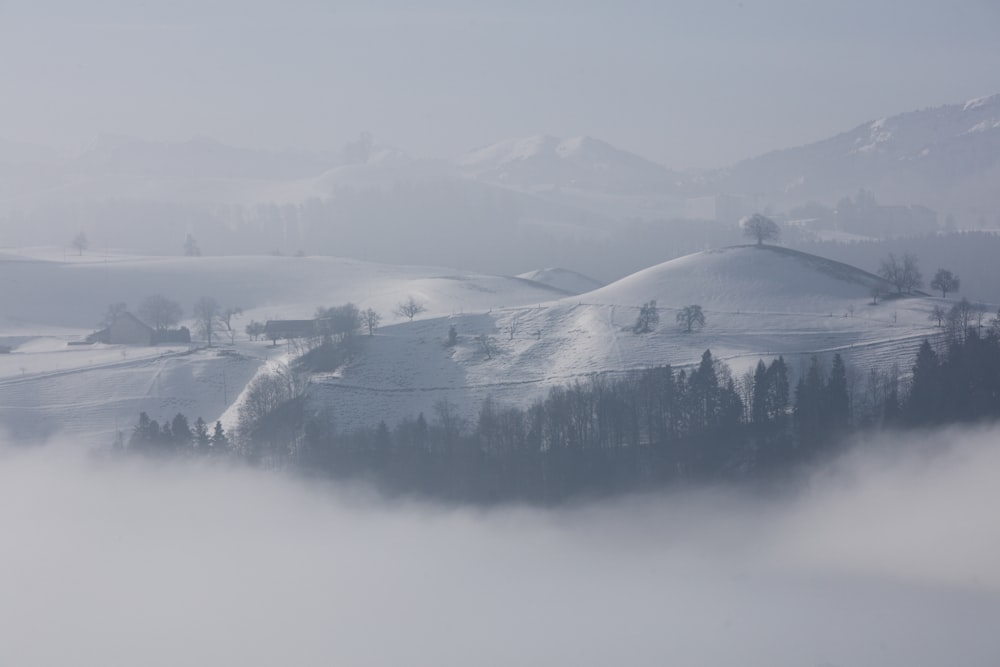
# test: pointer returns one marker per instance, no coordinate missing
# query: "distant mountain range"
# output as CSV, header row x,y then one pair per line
x,y
947,158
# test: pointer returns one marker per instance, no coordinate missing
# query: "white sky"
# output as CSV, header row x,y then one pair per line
x,y
690,84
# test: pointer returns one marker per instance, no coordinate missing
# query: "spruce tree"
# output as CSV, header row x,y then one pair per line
x,y
836,409
923,403
219,440
201,437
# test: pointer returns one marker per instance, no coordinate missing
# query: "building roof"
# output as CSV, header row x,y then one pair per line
x,y
127,315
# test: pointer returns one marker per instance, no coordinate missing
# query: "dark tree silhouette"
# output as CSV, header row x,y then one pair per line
x,y
80,243
371,319
691,317
160,312
206,313
760,228
903,273
648,318
409,308
945,281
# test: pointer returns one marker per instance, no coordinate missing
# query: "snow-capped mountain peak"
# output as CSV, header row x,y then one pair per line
x,y
544,161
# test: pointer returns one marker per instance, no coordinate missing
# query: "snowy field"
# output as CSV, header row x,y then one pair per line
x,y
50,299
758,302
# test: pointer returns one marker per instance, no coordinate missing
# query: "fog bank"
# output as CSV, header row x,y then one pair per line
x,y
889,557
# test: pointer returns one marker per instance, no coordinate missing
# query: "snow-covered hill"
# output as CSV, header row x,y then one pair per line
x,y
562,279
585,163
747,278
49,300
758,302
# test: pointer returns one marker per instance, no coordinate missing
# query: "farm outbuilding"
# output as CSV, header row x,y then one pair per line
x,y
127,329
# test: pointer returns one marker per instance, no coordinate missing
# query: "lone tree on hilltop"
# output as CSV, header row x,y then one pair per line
x,y
409,308
903,273
80,243
648,318
160,312
691,317
945,281
760,228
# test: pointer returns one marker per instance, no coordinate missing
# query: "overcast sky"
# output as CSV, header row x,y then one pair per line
x,y
690,84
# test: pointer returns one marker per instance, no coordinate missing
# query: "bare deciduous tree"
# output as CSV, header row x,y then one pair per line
x,y
206,314
945,281
512,326
255,329
648,318
339,322
760,228
903,273
960,319
487,344
409,308
938,314
372,320
265,394
226,316
160,312
691,317
80,243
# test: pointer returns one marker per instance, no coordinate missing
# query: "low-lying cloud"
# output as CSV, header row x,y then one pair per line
x,y
890,556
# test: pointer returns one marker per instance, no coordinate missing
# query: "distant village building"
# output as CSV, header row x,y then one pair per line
x,y
127,329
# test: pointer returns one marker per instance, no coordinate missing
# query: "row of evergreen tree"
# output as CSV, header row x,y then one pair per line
x,y
176,435
645,429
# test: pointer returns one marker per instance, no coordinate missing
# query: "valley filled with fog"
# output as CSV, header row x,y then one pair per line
x,y
884,557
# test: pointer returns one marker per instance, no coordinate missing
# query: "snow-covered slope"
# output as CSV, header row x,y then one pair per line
x,y
758,302
47,301
45,289
946,157
581,162
746,278
562,279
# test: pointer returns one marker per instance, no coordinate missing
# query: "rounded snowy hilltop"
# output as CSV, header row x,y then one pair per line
x,y
756,301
